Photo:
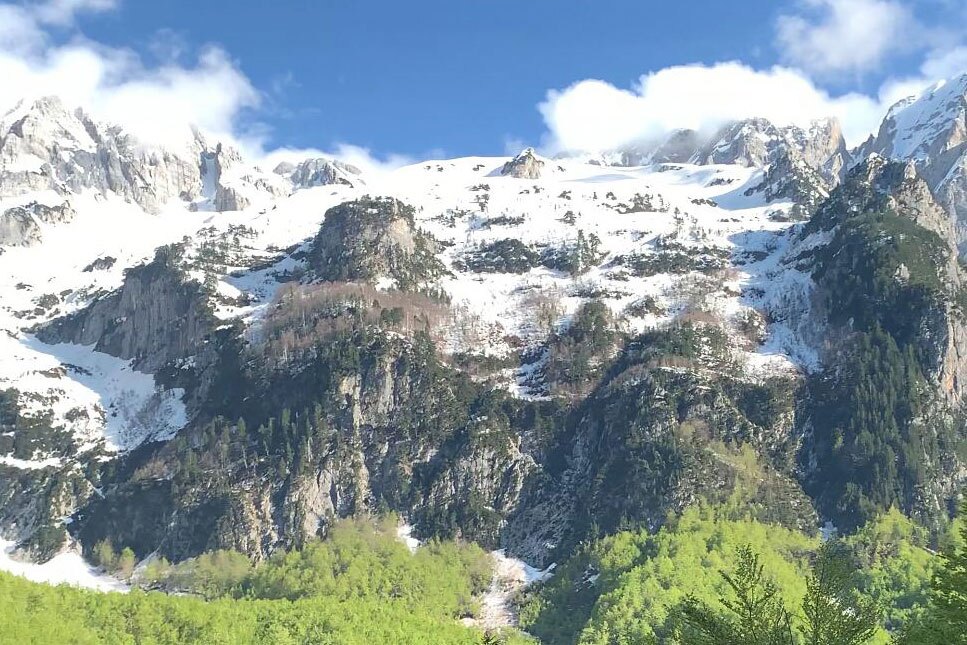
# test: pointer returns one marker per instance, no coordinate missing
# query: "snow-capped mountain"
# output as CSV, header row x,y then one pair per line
x,y
196,353
931,130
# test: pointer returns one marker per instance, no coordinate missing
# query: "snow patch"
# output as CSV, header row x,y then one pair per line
x,y
66,568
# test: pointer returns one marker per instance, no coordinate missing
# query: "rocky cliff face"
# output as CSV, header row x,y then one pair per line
x,y
890,288
158,316
881,186
524,363
389,429
655,436
46,146
759,143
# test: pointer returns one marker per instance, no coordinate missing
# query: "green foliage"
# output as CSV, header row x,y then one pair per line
x,y
945,621
24,435
685,584
210,575
834,614
873,445
104,555
627,588
125,563
894,566
580,353
879,437
501,256
32,613
357,562
576,258
755,612
883,269
360,586
676,259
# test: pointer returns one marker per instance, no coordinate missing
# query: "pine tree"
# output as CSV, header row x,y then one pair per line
x,y
946,619
756,615
834,614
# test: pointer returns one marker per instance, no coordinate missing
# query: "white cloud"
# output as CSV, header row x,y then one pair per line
x,y
369,163
592,115
158,104
63,12
946,63
832,36
19,30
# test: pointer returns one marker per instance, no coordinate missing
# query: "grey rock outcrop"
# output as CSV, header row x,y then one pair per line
x,y
789,177
388,437
881,185
44,146
156,317
320,172
679,147
368,239
751,143
757,143
526,165
21,225
19,228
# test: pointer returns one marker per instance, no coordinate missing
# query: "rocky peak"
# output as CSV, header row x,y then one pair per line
x,y
214,166
757,143
677,148
319,172
375,240
927,125
749,143
35,127
526,165
46,146
22,225
158,315
789,177
822,146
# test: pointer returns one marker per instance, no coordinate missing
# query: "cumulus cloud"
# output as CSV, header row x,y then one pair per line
x,y
832,36
42,54
158,103
593,115
816,38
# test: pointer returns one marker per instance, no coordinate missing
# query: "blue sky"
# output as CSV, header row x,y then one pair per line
x,y
461,77
439,77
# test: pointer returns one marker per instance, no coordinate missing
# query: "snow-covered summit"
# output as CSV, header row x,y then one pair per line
x,y
319,171
51,152
931,131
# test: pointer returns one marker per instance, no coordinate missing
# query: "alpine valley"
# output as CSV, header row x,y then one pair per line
x,y
759,326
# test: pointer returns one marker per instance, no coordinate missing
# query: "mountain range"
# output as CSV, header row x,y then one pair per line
x,y
197,353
